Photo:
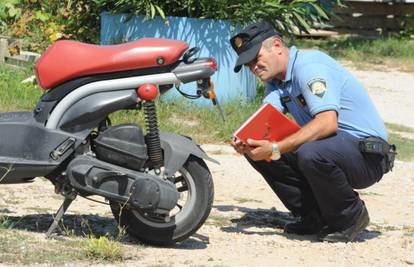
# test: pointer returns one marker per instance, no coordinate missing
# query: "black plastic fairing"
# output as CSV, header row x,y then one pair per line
x,y
123,145
88,112
26,146
91,176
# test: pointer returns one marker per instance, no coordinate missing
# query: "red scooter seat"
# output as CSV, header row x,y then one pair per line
x,y
66,60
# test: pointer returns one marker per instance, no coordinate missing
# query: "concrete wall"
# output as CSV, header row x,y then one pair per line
x,y
211,36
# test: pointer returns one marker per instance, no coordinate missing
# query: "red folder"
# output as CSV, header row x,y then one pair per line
x,y
267,123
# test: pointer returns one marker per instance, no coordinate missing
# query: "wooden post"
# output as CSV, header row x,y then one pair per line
x,y
4,49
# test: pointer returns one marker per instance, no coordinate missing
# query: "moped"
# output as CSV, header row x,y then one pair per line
x,y
156,183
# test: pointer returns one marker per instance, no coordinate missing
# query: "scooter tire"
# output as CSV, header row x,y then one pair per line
x,y
180,227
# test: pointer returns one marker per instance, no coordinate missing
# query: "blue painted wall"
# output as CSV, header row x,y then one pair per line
x,y
212,36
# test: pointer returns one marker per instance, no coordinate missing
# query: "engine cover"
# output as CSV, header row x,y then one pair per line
x,y
141,190
123,145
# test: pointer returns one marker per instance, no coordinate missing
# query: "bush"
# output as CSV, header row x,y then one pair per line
x,y
286,16
43,22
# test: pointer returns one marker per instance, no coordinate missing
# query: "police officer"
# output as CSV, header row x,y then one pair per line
x,y
314,171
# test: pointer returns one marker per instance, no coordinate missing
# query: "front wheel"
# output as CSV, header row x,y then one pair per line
x,y
195,184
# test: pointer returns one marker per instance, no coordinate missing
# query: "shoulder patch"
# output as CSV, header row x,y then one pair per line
x,y
317,87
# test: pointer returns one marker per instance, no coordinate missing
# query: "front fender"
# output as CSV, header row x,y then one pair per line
x,y
177,149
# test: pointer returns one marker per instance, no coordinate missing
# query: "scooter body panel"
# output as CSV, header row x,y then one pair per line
x,y
26,147
177,149
87,113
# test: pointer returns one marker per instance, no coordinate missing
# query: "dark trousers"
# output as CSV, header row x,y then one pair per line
x,y
321,176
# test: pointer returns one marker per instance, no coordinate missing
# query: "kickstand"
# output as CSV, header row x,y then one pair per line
x,y
63,208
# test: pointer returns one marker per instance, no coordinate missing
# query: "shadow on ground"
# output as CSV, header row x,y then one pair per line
x,y
87,225
272,222
77,225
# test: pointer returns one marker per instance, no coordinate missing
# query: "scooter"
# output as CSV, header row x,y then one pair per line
x,y
156,184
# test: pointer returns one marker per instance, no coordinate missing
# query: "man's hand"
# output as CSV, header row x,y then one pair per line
x,y
261,149
239,146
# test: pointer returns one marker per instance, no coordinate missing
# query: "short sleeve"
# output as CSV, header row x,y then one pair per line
x,y
320,85
272,96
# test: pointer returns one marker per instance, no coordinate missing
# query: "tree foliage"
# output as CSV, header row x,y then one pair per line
x,y
44,21
287,16
41,22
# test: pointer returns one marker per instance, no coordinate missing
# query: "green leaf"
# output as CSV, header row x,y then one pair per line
x,y
320,11
272,4
42,16
302,22
13,12
161,12
152,11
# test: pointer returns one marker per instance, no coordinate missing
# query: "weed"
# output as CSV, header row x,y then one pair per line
x,y
13,201
103,248
218,220
408,229
7,169
5,223
244,200
67,231
369,194
383,227
121,233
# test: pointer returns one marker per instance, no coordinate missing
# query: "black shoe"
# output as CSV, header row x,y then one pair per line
x,y
349,234
309,224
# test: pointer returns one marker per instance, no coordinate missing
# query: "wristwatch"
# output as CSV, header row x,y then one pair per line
x,y
275,152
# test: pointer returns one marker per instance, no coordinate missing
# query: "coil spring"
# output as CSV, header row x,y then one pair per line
x,y
152,138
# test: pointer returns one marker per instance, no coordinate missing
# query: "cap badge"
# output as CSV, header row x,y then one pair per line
x,y
238,42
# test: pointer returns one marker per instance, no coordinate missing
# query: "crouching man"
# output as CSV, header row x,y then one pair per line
x,y
340,147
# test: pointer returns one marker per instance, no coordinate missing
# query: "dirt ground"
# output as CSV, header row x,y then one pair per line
x,y
245,225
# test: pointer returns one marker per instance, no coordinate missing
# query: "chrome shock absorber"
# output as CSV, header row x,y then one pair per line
x,y
152,138
149,92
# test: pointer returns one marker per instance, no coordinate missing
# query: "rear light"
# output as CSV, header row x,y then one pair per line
x,y
212,63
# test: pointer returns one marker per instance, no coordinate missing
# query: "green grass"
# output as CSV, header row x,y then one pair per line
x,y
15,96
21,247
379,53
405,147
399,128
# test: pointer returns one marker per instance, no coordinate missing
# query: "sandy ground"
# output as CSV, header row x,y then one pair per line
x,y
392,93
245,225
